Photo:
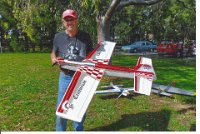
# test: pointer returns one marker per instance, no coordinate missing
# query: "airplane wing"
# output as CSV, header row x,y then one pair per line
x,y
108,91
109,86
84,82
79,94
159,92
101,53
171,89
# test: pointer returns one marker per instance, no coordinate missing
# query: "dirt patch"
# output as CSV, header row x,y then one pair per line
x,y
173,103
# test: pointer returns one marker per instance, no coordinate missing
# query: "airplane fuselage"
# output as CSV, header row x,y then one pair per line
x,y
110,70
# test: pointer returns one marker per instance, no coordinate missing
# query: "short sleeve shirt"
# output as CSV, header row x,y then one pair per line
x,y
72,48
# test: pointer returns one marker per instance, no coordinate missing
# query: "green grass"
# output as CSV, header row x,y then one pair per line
x,y
28,94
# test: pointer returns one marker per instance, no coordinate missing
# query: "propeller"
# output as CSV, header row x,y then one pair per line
x,y
123,92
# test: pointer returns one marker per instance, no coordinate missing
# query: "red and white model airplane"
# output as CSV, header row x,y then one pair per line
x,y
89,73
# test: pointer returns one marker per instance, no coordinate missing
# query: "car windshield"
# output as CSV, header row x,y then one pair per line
x,y
134,43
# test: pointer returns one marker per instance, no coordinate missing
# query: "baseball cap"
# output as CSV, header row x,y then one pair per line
x,y
69,13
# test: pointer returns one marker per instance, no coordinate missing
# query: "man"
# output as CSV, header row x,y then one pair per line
x,y
71,44
180,49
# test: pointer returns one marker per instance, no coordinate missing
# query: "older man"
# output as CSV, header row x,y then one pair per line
x,y
71,44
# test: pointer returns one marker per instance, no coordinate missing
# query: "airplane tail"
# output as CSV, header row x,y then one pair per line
x,y
144,76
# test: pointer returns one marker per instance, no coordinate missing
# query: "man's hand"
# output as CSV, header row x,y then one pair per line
x,y
54,58
54,61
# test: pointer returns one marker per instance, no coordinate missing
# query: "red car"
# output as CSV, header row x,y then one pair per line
x,y
167,48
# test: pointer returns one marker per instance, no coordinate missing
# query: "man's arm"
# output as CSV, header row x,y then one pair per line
x,y
53,57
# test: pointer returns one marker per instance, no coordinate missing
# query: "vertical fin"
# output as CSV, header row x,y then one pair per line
x,y
143,79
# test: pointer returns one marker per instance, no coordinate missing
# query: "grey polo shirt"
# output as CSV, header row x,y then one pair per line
x,y
72,48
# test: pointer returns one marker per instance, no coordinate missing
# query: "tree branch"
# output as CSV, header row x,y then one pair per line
x,y
111,9
184,5
136,2
181,2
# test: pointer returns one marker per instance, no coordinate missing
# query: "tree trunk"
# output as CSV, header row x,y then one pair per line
x,y
104,30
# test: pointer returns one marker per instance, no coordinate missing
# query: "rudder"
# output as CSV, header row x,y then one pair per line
x,y
144,76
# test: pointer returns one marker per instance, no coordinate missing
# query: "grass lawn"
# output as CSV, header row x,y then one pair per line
x,y
28,94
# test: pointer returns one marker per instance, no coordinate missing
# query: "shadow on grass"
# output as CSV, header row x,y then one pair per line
x,y
146,121
190,100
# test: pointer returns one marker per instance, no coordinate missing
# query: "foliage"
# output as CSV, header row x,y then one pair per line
x,y
87,16
180,20
165,20
15,47
38,21
28,86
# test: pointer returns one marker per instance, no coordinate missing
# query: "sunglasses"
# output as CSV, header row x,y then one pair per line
x,y
69,19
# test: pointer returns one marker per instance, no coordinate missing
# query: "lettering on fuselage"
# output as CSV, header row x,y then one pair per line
x,y
146,67
98,53
76,95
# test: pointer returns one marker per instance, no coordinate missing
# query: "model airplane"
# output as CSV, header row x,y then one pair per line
x,y
156,88
170,90
115,89
89,73
124,91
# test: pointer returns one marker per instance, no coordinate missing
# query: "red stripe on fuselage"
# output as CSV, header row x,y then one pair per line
x,y
109,67
122,69
70,89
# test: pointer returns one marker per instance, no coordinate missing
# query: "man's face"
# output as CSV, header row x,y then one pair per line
x,y
70,23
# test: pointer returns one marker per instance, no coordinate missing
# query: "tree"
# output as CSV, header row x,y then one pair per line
x,y
164,19
117,5
8,23
37,21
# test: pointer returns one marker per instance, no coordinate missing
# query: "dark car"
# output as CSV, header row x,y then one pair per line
x,y
167,48
139,46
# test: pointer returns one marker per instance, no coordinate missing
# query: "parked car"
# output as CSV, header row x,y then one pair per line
x,y
191,49
139,46
167,48
194,52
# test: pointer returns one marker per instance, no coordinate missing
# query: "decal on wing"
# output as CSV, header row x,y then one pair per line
x,y
102,52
